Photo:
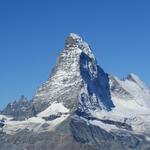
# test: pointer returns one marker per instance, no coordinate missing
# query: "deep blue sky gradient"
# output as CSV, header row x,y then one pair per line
x,y
32,33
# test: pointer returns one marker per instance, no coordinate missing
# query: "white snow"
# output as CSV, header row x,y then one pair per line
x,y
32,124
74,36
54,123
35,120
5,117
54,108
140,83
106,127
139,103
133,111
35,123
2,116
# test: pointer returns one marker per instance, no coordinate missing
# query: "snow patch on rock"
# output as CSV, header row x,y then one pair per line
x,y
53,109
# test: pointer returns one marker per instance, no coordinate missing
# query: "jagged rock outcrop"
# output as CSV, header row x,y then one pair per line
x,y
1,124
20,109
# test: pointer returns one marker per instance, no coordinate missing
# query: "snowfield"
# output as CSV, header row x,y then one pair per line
x,y
36,124
53,109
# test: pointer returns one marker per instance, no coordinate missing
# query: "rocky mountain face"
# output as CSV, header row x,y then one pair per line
x,y
79,107
20,109
76,80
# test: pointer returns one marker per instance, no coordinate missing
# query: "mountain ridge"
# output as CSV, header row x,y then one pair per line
x,y
83,104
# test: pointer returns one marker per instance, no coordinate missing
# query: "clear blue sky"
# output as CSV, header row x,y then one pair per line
x,y
32,33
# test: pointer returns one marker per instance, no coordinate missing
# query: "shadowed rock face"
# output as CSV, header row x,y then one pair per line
x,y
1,124
96,95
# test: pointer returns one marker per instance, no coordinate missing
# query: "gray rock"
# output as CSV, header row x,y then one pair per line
x,y
101,139
20,109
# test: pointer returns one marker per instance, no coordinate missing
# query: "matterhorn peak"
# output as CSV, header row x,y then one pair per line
x,y
76,43
76,80
73,39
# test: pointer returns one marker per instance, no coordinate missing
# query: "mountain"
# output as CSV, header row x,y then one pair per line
x,y
76,80
20,109
79,107
131,92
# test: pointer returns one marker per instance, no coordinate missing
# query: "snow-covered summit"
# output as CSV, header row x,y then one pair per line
x,y
134,78
73,39
130,95
77,43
